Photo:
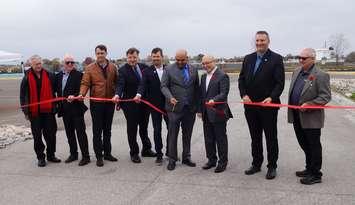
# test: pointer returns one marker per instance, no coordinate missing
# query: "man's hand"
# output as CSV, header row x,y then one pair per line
x,y
80,97
116,98
303,109
210,102
71,98
246,99
137,99
173,101
267,100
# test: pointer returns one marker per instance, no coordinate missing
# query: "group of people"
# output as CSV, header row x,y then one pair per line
x,y
182,95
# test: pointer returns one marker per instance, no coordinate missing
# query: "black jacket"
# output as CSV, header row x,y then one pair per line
x,y
150,87
218,89
25,91
128,82
72,87
268,81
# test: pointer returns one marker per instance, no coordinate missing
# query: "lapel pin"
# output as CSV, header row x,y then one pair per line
x,y
265,59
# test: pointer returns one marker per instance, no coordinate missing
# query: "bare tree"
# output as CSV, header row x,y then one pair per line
x,y
339,43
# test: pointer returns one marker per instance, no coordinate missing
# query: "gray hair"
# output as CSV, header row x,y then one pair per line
x,y
35,57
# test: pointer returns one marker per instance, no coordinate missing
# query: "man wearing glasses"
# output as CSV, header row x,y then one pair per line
x,y
309,86
68,84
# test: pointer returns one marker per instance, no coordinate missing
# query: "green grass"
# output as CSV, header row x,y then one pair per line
x,y
353,96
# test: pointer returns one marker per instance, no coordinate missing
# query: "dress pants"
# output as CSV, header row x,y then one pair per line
x,y
263,120
102,115
46,124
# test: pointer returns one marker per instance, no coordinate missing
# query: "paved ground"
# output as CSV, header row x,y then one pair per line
x,y
123,182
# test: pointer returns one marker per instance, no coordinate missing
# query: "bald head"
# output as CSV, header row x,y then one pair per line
x,y
181,58
308,52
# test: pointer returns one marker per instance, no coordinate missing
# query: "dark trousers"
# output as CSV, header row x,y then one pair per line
x,y
215,135
45,124
157,119
137,115
186,119
263,120
75,130
102,114
309,140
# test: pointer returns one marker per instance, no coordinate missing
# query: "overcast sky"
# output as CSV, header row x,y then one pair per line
x,y
226,28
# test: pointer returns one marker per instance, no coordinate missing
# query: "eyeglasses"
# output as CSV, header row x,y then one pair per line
x,y
70,62
302,58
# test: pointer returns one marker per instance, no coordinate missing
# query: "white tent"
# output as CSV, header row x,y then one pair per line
x,y
7,57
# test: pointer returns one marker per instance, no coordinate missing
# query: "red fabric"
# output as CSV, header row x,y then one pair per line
x,y
45,95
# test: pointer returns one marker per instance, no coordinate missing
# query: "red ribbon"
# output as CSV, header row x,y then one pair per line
x,y
96,99
286,105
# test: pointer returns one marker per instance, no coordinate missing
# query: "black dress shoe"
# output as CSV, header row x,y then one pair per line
x,y
110,158
136,159
71,158
148,153
99,162
252,170
209,165
171,165
309,180
53,159
220,168
271,173
303,173
159,160
41,163
188,162
84,161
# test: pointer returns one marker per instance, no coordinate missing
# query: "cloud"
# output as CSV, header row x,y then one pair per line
x,y
222,28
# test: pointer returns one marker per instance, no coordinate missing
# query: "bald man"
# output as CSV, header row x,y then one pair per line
x,y
214,88
309,86
68,85
180,86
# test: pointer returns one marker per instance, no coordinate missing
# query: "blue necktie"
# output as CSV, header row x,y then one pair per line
x,y
137,73
186,74
257,63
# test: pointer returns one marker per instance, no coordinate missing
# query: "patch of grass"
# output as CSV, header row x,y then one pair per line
x,y
353,96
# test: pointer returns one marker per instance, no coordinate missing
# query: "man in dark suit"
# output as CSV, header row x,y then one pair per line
x,y
136,114
39,85
150,85
309,86
68,84
262,79
215,88
180,86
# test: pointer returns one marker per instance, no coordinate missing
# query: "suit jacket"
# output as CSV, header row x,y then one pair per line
x,y
150,86
72,87
127,84
172,85
316,91
218,89
268,81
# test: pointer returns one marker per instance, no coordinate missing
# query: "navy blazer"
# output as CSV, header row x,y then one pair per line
x,y
150,87
72,87
268,81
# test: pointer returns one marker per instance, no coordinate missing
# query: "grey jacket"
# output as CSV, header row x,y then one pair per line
x,y
316,91
172,85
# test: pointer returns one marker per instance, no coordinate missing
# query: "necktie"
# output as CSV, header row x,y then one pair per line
x,y
137,73
186,74
257,63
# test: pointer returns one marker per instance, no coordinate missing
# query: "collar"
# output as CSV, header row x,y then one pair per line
x,y
307,72
212,72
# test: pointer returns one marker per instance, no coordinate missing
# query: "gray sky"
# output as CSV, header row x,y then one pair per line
x,y
226,28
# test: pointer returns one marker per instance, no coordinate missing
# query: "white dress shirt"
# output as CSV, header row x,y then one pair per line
x,y
159,71
209,76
